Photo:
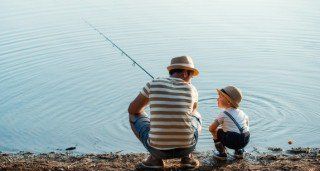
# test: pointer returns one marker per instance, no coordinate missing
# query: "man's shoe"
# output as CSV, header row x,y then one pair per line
x,y
151,163
220,156
189,162
238,154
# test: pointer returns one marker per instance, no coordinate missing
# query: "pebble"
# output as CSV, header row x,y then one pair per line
x,y
277,149
299,150
70,148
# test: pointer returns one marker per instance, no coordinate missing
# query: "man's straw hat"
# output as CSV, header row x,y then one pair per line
x,y
183,62
232,94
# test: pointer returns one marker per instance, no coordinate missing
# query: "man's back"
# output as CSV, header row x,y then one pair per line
x,y
171,104
172,129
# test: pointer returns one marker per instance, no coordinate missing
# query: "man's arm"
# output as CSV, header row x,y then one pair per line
x,y
195,107
247,121
137,106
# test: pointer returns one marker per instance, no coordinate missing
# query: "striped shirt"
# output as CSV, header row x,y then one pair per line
x,y
171,103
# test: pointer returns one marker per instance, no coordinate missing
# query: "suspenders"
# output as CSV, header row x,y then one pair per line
x,y
235,122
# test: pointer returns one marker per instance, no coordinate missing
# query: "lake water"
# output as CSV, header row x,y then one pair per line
x,y
62,85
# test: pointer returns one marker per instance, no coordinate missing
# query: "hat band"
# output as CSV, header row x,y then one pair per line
x,y
231,100
224,92
183,64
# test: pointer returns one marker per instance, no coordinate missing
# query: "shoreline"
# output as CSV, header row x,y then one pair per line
x,y
275,159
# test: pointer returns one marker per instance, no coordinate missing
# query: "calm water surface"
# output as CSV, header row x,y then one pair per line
x,y
62,85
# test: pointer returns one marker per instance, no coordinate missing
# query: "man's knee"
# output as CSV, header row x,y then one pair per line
x,y
140,125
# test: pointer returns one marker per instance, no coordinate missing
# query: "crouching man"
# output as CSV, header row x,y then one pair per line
x,y
174,124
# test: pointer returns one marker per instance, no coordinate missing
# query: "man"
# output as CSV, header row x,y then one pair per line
x,y
174,124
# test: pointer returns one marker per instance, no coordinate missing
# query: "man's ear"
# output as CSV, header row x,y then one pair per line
x,y
185,74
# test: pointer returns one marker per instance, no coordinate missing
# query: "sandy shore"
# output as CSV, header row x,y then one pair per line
x,y
275,159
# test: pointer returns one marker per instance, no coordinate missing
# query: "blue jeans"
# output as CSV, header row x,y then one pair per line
x,y
140,125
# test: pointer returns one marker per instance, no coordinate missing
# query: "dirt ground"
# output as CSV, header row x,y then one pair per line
x,y
276,159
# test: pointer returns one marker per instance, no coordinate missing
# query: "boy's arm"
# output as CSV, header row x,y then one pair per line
x,y
213,129
213,126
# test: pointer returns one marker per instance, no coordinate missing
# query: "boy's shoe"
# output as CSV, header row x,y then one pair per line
x,y
151,163
220,156
189,162
239,154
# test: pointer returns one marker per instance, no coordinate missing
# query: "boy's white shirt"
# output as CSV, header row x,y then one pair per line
x,y
228,125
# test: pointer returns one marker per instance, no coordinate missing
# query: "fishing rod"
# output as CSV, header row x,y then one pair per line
x,y
114,45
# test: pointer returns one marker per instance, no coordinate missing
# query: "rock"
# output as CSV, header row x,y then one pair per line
x,y
86,160
276,149
70,148
267,157
299,150
294,158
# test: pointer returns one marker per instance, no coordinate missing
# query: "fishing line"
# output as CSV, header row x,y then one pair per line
x,y
114,45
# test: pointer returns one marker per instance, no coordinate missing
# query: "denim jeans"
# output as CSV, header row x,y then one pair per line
x,y
140,125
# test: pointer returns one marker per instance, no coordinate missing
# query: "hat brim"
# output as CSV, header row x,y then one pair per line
x,y
195,71
228,98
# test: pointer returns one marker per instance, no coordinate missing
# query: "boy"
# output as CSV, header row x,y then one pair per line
x,y
234,131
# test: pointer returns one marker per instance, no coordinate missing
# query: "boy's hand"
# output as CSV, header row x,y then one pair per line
x,y
213,129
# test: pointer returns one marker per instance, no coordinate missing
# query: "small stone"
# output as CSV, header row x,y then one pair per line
x,y
276,149
267,157
70,148
294,158
299,150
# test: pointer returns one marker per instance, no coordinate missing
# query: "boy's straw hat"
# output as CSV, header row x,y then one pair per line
x,y
183,62
232,94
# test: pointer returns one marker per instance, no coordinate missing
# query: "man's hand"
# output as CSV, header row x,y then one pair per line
x,y
137,106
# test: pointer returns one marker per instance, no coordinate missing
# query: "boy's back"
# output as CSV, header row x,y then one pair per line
x,y
227,123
